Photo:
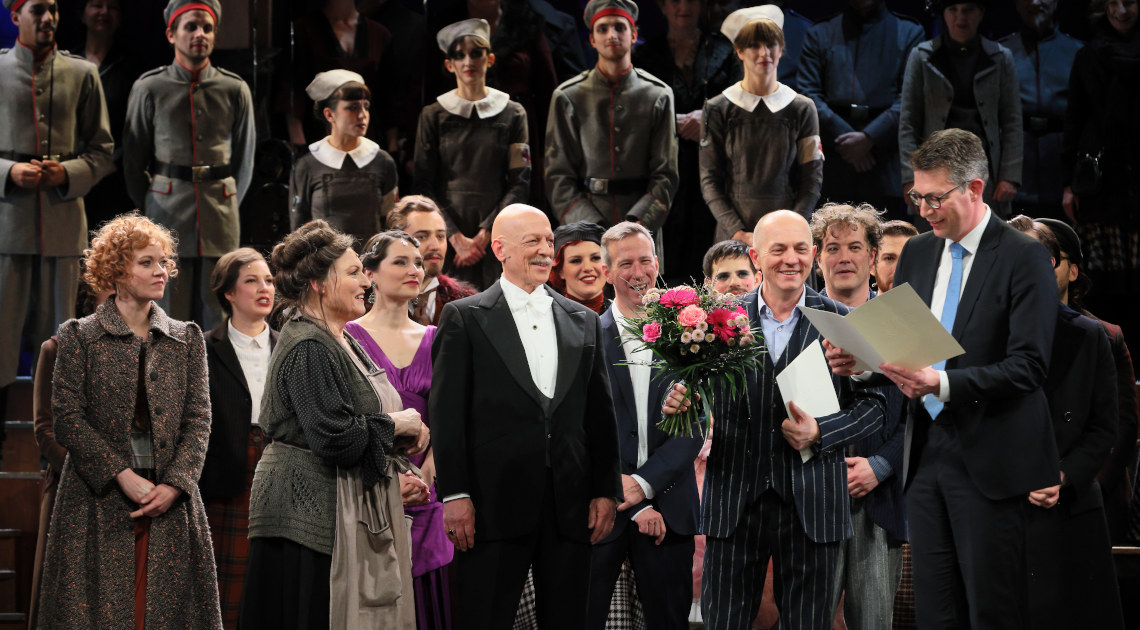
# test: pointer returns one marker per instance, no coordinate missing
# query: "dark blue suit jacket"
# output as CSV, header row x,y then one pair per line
x,y
750,456
669,469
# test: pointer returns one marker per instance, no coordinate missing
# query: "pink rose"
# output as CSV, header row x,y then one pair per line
x,y
691,316
681,296
651,332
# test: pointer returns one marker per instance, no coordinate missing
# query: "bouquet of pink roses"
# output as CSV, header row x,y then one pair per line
x,y
701,336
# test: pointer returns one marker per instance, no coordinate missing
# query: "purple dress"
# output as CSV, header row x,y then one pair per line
x,y
431,550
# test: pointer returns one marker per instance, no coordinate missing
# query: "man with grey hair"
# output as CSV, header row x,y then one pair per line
x,y
870,562
978,438
657,519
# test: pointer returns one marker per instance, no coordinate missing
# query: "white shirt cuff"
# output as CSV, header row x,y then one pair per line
x,y
633,517
452,497
862,376
943,386
645,487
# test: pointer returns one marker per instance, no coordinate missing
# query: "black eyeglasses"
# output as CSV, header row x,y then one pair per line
x,y
931,200
475,53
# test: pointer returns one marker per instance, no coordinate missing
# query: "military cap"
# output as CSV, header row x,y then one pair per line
x,y
175,8
14,5
601,8
738,19
1067,238
325,83
477,28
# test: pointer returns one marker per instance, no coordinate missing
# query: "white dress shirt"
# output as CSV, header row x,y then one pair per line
x,y
970,243
253,355
534,319
640,375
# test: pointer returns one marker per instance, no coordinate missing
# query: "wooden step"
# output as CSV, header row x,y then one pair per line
x,y
20,453
19,404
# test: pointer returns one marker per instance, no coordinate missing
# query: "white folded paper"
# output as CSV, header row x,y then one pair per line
x,y
807,382
896,327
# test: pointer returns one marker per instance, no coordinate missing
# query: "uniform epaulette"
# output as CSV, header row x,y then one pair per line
x,y
153,72
229,73
574,80
68,53
645,74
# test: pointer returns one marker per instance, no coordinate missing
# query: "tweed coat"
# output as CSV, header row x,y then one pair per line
x,y
89,566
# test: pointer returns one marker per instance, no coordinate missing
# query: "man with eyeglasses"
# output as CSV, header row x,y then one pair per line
x,y
55,145
978,438
611,141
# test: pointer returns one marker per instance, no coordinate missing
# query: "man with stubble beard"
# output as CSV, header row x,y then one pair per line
x,y
188,160
419,216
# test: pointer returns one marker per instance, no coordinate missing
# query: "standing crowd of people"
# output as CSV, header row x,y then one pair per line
x,y
426,410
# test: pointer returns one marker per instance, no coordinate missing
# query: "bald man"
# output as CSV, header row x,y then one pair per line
x,y
525,436
761,500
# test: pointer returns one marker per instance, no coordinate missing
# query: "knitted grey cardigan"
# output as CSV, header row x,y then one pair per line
x,y
312,382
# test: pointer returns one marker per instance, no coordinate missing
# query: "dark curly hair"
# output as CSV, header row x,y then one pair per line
x,y
304,255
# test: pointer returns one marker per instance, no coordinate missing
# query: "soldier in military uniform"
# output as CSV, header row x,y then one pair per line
x,y
1043,57
189,141
852,68
55,144
611,141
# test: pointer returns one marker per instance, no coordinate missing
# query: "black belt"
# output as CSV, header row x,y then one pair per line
x,y
858,115
599,186
192,173
28,157
1039,125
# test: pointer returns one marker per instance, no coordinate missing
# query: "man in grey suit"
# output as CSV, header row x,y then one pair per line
x,y
55,145
188,158
761,499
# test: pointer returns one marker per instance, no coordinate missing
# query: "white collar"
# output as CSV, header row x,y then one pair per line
x,y
781,98
243,341
515,294
333,157
431,285
488,106
973,238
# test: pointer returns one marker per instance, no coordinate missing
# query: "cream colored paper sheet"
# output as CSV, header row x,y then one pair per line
x,y
807,382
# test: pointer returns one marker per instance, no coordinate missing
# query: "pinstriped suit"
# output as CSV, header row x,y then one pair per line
x,y
761,501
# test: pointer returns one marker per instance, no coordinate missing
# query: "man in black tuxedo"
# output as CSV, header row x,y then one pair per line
x,y
658,518
978,438
525,437
762,500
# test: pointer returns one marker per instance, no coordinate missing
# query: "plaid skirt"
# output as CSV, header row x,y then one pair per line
x,y
625,607
229,528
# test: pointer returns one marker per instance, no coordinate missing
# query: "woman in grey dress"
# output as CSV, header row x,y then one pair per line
x,y
345,179
760,148
472,152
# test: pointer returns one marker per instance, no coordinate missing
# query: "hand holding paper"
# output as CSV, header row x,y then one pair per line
x,y
807,383
896,327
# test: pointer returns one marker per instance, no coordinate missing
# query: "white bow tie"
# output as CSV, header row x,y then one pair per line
x,y
538,301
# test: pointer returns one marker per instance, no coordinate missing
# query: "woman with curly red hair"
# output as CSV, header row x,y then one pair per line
x,y
129,544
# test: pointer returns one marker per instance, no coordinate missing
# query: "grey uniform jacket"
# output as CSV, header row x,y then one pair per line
x,y
927,95
754,162
180,119
623,137
55,107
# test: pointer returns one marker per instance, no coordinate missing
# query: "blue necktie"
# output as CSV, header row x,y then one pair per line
x,y
949,311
